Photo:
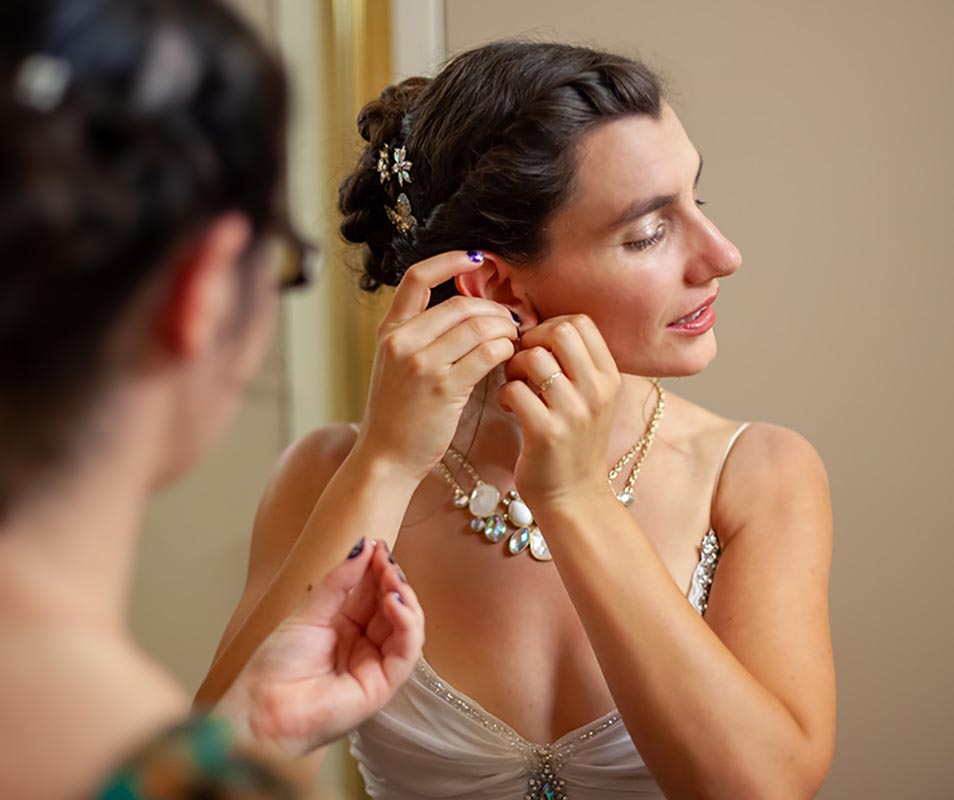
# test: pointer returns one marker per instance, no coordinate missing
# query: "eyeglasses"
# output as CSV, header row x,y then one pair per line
x,y
296,259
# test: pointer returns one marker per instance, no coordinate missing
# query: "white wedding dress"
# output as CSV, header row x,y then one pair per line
x,y
432,741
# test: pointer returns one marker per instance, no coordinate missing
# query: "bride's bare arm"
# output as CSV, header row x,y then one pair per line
x,y
740,704
327,494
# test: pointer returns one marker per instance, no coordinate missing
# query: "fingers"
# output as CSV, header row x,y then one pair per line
x,y
565,340
362,603
396,629
393,588
480,361
454,313
470,331
334,590
595,344
546,376
534,365
562,331
518,398
414,291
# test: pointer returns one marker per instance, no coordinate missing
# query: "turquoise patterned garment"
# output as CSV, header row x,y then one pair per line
x,y
197,759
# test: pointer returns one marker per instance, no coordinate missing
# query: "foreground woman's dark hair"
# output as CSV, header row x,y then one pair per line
x,y
166,115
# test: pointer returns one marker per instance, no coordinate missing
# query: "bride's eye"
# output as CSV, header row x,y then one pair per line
x,y
645,244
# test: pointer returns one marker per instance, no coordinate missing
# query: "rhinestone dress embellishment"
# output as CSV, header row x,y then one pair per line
x,y
543,762
710,551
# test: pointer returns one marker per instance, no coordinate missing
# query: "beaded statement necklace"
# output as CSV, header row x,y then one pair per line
x,y
483,501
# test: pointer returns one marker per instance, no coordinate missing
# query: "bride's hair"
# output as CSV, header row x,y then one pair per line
x,y
492,143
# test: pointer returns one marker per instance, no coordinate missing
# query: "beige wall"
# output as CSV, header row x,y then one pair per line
x,y
827,131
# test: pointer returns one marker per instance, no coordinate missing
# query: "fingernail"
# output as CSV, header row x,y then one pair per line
x,y
400,574
387,550
356,550
516,317
477,256
397,596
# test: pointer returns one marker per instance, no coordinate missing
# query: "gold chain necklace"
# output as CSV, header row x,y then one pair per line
x,y
484,499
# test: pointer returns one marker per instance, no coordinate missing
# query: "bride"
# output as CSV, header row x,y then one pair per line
x,y
626,593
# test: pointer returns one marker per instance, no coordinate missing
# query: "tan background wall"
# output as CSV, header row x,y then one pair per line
x,y
827,131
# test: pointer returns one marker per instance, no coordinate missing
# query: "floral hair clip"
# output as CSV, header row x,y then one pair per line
x,y
400,215
401,168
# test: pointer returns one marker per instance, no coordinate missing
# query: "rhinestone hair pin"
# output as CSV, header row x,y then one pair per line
x,y
393,163
401,216
42,81
401,168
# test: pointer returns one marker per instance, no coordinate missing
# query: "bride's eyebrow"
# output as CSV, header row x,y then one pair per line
x,y
639,208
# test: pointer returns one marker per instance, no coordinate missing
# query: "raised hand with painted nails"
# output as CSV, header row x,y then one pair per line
x,y
335,661
563,387
427,363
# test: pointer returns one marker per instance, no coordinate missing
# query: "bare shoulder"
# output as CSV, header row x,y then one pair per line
x,y
300,477
771,472
307,463
699,434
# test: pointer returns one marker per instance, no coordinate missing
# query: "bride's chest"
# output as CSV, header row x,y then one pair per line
x,y
502,629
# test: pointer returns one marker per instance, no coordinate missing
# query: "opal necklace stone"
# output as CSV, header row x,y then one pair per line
x,y
484,500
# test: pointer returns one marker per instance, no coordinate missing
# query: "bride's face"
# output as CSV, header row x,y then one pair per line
x,y
634,250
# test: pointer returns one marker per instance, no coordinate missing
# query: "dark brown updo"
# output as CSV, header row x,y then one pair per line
x,y
492,140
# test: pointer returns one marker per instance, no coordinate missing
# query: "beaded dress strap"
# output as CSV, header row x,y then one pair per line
x,y
710,549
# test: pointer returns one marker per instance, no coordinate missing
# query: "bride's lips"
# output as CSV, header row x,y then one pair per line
x,y
697,321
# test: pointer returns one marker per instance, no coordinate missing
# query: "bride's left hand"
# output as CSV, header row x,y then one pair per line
x,y
566,426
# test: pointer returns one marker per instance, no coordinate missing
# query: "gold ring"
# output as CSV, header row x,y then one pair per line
x,y
546,384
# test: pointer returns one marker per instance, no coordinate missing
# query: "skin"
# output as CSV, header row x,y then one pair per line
x,y
607,623
73,681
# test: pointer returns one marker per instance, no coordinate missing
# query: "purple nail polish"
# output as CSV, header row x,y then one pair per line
x,y
515,315
397,596
477,256
356,550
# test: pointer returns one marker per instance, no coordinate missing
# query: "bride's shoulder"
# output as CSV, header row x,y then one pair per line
x,y
312,459
759,467
753,443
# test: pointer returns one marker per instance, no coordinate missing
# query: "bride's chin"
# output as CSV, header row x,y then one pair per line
x,y
669,365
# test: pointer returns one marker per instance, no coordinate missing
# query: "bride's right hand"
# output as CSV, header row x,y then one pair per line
x,y
427,363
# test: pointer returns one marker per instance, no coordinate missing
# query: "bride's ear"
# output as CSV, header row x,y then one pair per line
x,y
498,280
